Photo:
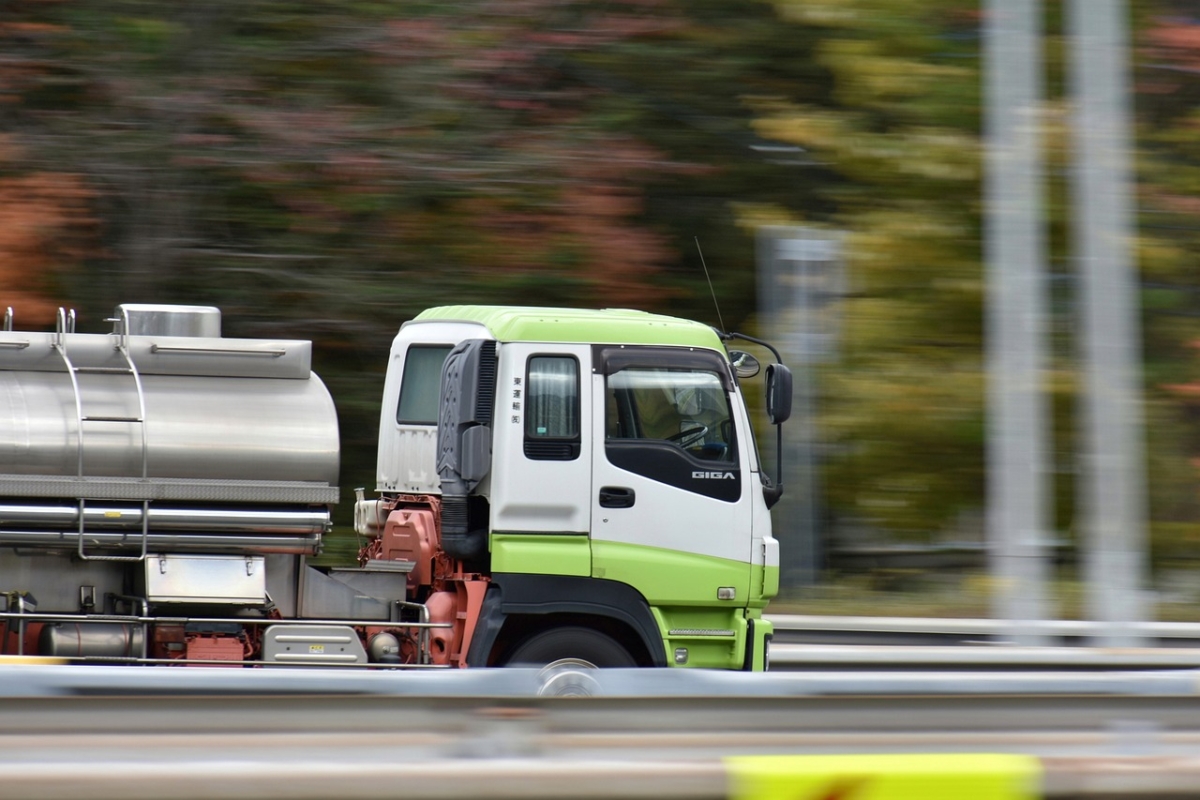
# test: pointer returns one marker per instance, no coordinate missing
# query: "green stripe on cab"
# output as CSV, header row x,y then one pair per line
x,y
542,553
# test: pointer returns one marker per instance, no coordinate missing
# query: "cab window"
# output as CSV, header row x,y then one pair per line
x,y
686,408
421,385
552,429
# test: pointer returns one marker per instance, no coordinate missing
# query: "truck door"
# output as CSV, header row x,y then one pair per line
x,y
670,514
542,460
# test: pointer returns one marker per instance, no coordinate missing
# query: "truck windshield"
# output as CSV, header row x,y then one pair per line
x,y
421,385
688,408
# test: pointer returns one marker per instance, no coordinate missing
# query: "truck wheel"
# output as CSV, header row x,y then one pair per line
x,y
582,644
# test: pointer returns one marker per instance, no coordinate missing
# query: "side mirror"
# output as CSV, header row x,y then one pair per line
x,y
744,364
779,393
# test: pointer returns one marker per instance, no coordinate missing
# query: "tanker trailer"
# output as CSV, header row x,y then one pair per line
x,y
160,488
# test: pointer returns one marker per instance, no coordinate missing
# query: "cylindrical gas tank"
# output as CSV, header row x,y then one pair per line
x,y
90,640
193,408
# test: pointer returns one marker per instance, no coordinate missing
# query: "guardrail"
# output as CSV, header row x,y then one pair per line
x,y
795,657
528,779
133,684
190,733
913,631
804,642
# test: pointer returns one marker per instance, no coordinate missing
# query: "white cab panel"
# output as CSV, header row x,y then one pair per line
x,y
762,545
407,460
667,516
530,494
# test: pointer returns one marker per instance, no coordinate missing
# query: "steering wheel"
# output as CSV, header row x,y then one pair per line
x,y
689,437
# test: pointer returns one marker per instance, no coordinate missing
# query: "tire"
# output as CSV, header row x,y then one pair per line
x,y
583,644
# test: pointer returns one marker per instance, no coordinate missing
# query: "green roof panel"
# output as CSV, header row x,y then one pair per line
x,y
585,326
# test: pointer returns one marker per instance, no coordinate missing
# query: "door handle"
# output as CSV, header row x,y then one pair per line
x,y
616,497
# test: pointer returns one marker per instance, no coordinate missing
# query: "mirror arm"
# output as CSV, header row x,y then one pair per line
x,y
779,457
744,337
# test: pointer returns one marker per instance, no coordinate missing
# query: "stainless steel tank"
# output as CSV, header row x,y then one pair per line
x,y
195,408
204,427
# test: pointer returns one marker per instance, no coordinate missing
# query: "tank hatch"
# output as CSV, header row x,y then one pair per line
x,y
153,319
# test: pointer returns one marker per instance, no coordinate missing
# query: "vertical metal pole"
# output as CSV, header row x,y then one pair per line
x,y
800,283
805,440
1111,494
780,290
1016,313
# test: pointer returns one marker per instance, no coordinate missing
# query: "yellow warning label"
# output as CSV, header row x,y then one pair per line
x,y
892,776
316,649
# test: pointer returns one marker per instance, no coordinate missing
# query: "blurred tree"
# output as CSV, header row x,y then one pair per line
x,y
1168,86
904,407
302,157
904,416
327,169
689,89
46,225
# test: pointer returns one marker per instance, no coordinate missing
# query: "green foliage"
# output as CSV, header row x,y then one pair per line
x,y
903,407
326,170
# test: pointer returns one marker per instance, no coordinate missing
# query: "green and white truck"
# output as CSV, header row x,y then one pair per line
x,y
552,484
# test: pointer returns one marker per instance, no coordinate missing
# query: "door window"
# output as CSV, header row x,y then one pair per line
x,y
684,408
674,426
552,409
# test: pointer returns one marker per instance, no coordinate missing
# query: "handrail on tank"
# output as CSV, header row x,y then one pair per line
x,y
8,327
224,351
65,324
60,346
131,369
123,342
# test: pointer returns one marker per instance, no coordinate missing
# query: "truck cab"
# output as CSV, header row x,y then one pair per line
x,y
588,484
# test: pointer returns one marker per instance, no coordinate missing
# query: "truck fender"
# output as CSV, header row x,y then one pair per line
x,y
519,593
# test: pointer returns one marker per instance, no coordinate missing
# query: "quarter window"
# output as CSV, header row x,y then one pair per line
x,y
421,385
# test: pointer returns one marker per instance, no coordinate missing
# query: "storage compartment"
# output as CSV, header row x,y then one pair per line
x,y
237,580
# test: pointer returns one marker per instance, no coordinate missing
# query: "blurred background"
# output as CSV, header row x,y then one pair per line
x,y
326,170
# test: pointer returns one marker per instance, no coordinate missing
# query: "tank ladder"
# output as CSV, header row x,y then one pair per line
x,y
64,326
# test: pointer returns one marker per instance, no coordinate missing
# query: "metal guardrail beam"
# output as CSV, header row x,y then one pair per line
x,y
876,657
271,685
191,733
981,628
526,779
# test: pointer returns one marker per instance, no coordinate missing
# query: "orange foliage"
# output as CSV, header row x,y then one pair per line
x,y
622,259
583,229
44,222
1175,44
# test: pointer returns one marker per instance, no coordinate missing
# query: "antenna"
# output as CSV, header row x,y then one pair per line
x,y
712,291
